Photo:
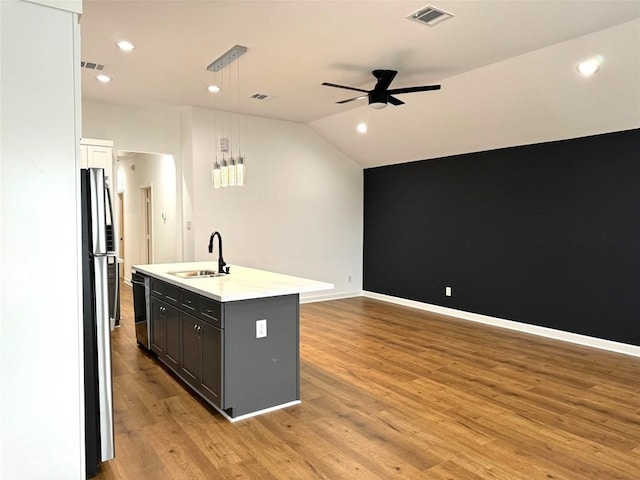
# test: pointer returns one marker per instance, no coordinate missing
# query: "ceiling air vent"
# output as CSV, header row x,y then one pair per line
x,y
261,96
92,66
429,15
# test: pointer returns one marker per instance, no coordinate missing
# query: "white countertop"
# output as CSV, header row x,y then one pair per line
x,y
241,283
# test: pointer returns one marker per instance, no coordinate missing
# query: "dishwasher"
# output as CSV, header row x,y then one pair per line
x,y
141,308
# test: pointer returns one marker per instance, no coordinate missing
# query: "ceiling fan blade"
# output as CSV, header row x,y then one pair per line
x,y
352,99
424,88
385,77
327,84
395,101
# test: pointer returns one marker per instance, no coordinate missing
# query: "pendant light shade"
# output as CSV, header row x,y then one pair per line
x,y
232,172
240,171
224,173
215,175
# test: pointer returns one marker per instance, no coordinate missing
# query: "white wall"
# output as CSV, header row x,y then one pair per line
x,y
186,180
41,370
133,129
300,212
159,173
139,130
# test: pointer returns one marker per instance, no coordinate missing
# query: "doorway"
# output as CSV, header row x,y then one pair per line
x,y
150,210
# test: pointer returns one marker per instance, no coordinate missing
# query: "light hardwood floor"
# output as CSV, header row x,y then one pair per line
x,y
391,392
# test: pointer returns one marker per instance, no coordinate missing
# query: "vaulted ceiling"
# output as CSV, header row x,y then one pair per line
x,y
507,68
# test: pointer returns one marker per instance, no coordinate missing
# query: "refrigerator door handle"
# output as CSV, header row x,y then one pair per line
x,y
98,214
103,337
116,280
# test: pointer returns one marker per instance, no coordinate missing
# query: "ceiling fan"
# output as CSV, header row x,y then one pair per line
x,y
381,95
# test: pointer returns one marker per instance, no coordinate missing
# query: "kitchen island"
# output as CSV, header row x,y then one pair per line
x,y
233,338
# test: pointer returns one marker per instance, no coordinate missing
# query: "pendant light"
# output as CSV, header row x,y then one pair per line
x,y
230,171
216,174
240,166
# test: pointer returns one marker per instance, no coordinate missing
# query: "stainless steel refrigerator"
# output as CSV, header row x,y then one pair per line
x,y
97,214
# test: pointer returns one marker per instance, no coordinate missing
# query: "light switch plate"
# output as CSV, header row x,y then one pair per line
x,y
261,328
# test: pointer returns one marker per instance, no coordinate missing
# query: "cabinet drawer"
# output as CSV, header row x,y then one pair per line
x,y
158,288
211,312
172,294
202,307
190,302
169,293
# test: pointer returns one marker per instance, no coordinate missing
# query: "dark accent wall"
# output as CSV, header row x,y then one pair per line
x,y
545,234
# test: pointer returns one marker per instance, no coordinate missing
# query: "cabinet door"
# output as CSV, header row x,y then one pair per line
x,y
99,157
158,326
211,385
190,351
172,346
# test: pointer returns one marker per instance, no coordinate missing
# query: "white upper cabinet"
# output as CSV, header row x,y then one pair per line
x,y
98,154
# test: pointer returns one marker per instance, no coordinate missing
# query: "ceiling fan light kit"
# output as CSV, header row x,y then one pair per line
x,y
378,100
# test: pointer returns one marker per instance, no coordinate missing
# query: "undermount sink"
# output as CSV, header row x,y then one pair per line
x,y
197,274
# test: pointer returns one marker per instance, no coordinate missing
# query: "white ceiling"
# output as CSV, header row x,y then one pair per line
x,y
507,68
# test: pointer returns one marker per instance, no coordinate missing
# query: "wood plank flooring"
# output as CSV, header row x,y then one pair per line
x,y
390,392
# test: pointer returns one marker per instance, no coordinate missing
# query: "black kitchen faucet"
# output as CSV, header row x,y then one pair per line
x,y
221,262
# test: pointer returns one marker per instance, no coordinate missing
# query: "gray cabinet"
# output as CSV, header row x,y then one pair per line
x,y
158,326
172,351
190,358
165,333
211,375
216,349
261,372
201,357
165,322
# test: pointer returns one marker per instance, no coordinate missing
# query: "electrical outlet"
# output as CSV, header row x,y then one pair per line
x,y
261,328
447,291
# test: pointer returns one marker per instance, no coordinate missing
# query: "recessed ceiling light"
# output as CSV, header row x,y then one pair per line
x,y
362,127
589,67
125,46
213,88
103,78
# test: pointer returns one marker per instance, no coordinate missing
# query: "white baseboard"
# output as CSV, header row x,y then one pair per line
x,y
310,298
576,338
259,412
